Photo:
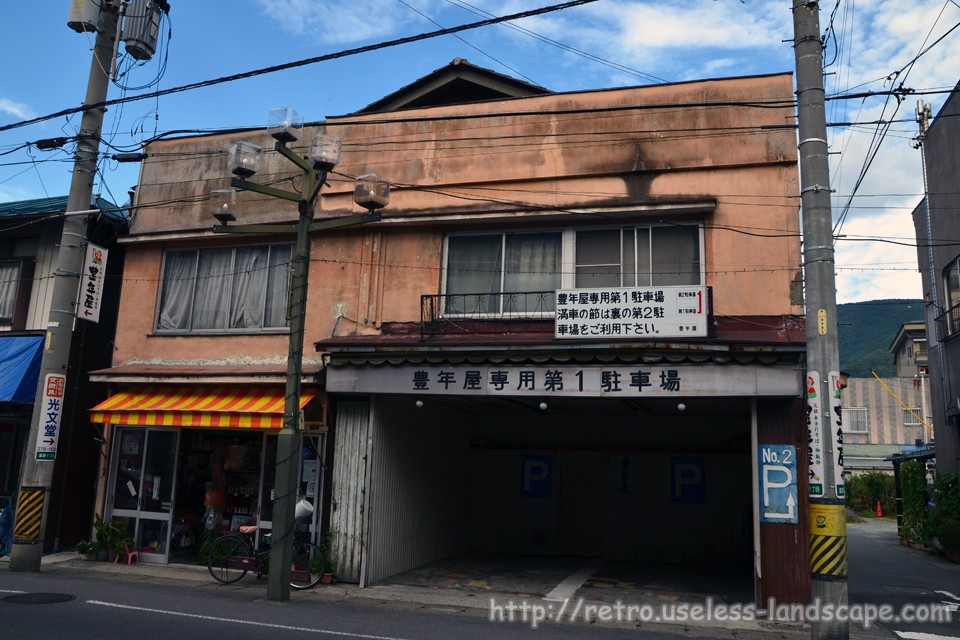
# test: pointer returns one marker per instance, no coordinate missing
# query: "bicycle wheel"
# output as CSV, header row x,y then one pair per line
x,y
230,558
307,565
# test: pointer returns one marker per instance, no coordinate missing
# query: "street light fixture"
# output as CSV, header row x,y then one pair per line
x,y
223,205
244,159
286,125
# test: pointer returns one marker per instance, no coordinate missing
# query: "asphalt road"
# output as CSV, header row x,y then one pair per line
x,y
911,581
137,609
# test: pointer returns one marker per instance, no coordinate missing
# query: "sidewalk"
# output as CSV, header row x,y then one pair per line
x,y
502,598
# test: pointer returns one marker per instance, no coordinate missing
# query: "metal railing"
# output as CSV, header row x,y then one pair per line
x,y
525,305
948,323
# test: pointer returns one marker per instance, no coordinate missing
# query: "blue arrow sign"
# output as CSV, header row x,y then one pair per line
x,y
778,483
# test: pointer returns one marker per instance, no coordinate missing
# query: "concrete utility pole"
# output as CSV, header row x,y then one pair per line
x,y
36,476
828,524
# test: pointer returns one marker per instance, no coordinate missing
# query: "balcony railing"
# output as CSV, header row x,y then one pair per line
x,y
948,323
437,311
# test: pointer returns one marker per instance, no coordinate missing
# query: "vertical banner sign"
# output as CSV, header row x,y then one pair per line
x,y
91,283
836,415
53,389
814,435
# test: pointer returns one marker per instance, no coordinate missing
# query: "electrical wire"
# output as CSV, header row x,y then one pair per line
x,y
308,61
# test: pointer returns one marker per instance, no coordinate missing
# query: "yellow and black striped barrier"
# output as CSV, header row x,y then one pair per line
x,y
828,541
26,528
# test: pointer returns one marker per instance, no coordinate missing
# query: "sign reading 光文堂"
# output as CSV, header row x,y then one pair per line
x,y
658,312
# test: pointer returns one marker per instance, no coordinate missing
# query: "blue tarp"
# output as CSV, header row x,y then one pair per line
x,y
20,367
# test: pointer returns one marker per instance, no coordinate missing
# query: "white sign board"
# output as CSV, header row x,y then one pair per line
x,y
54,386
836,415
91,283
632,313
814,435
637,380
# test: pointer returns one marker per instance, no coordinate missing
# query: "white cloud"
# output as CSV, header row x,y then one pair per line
x,y
339,22
16,109
871,270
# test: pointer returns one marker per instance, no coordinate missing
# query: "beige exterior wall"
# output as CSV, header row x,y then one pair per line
x,y
450,165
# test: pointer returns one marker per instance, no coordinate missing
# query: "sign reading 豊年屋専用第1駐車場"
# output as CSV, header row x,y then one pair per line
x,y
631,313
54,386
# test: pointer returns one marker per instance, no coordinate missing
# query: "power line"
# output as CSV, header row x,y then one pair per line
x,y
300,63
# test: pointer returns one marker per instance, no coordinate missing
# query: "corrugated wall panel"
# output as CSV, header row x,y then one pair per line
x,y
352,431
417,504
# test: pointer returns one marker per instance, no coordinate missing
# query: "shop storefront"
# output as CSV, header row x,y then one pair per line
x,y
189,463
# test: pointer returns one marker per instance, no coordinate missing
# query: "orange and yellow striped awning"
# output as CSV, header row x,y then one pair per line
x,y
218,408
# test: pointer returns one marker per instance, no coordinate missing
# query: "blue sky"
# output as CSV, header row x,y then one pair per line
x,y
604,44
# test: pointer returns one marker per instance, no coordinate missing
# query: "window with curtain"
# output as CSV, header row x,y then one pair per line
x,y
501,273
9,279
854,419
224,289
495,273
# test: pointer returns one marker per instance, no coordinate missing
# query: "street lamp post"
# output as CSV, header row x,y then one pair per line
x,y
286,125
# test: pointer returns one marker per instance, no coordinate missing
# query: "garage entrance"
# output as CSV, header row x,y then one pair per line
x,y
595,478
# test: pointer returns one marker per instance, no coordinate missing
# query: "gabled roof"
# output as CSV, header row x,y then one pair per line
x,y
915,330
456,83
52,206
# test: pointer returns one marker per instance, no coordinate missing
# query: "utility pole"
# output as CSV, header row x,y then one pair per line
x,y
828,523
36,475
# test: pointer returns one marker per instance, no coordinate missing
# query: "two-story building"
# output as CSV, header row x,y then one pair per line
x,y
576,331
29,244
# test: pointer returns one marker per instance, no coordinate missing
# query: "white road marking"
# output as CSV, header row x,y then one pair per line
x,y
915,635
574,581
11,591
251,623
949,595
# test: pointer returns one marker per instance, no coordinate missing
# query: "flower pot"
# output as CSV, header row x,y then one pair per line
x,y
326,578
102,555
92,555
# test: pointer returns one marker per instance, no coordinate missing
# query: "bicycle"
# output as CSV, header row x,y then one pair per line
x,y
232,555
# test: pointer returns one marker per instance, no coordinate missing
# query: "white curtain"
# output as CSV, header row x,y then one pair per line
x,y
9,276
249,282
278,286
176,299
212,297
532,264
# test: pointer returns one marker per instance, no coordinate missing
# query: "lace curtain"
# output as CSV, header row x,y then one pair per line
x,y
232,288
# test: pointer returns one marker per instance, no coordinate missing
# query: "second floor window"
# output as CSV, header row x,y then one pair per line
x,y
497,273
855,420
224,289
911,417
9,280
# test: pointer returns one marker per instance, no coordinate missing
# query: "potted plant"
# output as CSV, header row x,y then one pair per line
x,y
106,535
87,550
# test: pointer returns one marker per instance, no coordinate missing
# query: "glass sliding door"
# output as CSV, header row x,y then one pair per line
x,y
145,462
